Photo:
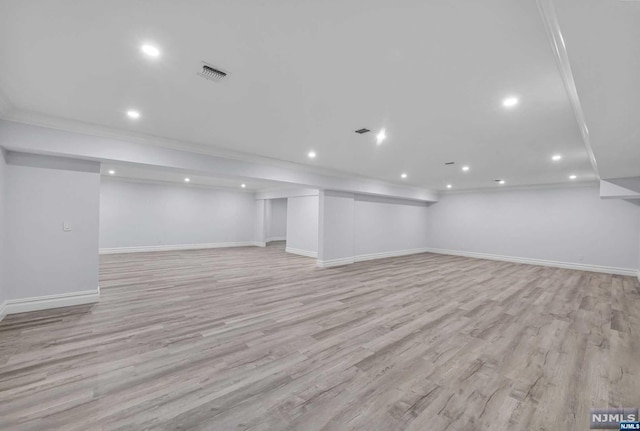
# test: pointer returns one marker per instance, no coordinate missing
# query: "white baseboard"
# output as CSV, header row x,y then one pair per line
x,y
385,254
3,310
539,262
277,238
371,256
301,252
335,262
23,305
148,248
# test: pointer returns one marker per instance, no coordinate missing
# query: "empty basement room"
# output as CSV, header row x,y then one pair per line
x,y
299,215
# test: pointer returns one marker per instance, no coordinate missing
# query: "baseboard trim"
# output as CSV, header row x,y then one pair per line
x,y
335,262
539,262
23,305
277,238
386,254
370,256
301,252
147,248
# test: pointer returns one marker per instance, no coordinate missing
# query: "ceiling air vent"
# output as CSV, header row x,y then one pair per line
x,y
363,131
450,163
211,73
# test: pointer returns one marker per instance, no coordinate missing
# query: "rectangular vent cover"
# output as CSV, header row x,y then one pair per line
x,y
211,73
363,130
450,163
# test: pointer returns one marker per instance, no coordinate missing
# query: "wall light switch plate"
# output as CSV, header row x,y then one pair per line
x,y
66,227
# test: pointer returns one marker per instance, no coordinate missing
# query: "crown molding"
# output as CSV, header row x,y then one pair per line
x,y
554,33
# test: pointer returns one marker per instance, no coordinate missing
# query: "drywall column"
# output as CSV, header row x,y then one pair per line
x,y
261,223
51,221
336,229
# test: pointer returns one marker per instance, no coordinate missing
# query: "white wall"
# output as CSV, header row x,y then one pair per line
x,y
637,203
42,259
134,214
302,225
336,228
571,225
3,183
386,225
358,227
276,219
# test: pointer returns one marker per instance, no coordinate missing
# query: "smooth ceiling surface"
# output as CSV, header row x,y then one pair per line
x,y
603,44
303,75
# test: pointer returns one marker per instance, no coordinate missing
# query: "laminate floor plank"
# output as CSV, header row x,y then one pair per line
x,y
257,339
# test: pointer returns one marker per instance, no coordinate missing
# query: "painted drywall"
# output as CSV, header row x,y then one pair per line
x,y
637,203
41,258
388,225
260,223
302,225
3,182
336,227
276,219
38,139
135,214
571,225
360,227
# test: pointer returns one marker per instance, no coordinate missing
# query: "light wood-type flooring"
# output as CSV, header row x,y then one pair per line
x,y
257,339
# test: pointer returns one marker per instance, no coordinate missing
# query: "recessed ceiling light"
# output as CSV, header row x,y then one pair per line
x,y
381,136
510,102
243,185
449,186
501,182
112,172
150,50
312,154
556,157
572,177
465,168
404,175
133,114
186,180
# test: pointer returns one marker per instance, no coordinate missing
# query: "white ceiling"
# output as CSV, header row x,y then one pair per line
x,y
603,44
305,74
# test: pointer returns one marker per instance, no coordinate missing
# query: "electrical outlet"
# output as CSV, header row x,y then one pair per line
x,y
66,227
